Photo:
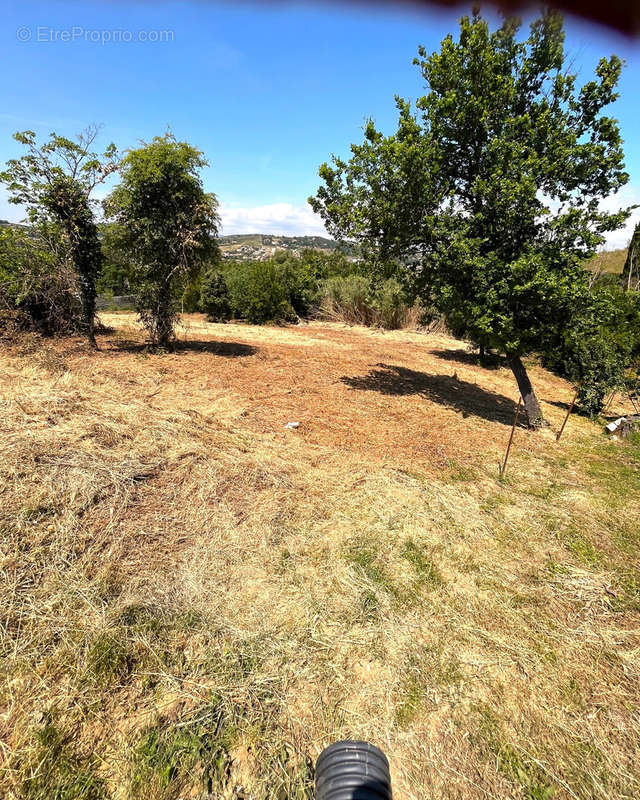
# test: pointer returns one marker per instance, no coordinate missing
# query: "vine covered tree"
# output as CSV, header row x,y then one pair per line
x,y
487,198
167,226
55,182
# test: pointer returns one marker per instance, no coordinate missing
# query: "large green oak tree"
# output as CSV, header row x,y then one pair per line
x,y
487,199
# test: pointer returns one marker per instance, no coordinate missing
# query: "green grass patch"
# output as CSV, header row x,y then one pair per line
x,y
370,606
109,659
520,769
458,472
580,547
365,557
57,771
626,539
412,696
627,589
614,466
181,759
145,639
426,671
140,617
494,501
428,574
544,489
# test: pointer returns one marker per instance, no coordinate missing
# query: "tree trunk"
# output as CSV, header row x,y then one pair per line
x,y
164,317
531,406
90,319
86,258
88,300
630,272
91,336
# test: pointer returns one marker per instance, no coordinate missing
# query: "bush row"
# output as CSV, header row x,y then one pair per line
x,y
288,287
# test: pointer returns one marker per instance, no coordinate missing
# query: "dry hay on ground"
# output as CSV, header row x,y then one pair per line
x,y
196,600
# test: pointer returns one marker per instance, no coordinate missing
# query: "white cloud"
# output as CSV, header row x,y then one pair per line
x,y
277,218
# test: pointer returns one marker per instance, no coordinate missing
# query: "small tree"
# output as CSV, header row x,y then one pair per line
x,y
214,296
489,199
299,280
55,182
168,223
266,294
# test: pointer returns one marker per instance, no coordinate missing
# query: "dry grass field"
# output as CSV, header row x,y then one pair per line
x,y
194,600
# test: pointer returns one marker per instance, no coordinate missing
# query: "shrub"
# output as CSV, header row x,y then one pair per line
x,y
299,281
214,296
599,346
38,287
288,285
347,299
118,272
329,263
596,361
236,276
266,299
191,296
257,292
391,304
355,301
54,181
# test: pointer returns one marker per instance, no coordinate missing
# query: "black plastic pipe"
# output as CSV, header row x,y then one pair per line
x,y
352,771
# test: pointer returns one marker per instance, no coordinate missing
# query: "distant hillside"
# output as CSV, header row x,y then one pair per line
x,y
250,246
259,246
609,261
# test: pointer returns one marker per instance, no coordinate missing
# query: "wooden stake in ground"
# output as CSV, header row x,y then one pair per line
x,y
513,430
573,402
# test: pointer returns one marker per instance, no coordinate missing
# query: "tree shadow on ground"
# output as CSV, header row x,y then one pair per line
x,y
561,404
216,348
469,398
579,411
491,361
229,349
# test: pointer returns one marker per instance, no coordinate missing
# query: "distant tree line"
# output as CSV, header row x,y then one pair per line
x,y
322,284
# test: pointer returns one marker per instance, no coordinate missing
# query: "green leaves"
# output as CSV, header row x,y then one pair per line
x,y
167,223
488,200
54,181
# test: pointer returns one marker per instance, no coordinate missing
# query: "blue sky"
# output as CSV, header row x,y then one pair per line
x,y
267,91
